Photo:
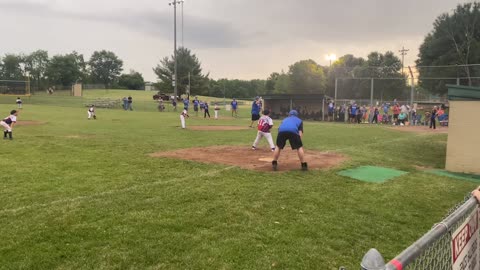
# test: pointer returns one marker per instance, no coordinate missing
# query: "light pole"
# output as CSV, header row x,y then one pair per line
x,y
182,1
331,57
174,4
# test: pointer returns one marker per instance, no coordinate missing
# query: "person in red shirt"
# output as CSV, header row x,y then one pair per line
x,y
396,112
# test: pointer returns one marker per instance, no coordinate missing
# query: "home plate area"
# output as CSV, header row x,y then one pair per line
x,y
258,160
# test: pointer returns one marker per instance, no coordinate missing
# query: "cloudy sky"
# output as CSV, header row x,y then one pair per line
x,y
243,39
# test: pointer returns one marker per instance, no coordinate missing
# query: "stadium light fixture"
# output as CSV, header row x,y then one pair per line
x,y
331,57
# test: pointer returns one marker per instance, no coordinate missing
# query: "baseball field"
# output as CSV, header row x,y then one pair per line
x,y
132,190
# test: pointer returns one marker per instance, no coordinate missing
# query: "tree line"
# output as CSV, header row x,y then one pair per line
x,y
103,67
454,41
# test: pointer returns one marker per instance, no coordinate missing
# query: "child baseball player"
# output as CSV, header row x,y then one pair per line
x,y
91,112
265,123
19,102
8,123
183,116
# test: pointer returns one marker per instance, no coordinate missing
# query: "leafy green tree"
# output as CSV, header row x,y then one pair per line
x,y
454,40
66,69
36,65
105,67
11,68
133,81
283,84
271,81
187,63
307,76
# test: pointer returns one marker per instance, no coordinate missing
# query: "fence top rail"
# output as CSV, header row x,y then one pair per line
x,y
439,230
13,81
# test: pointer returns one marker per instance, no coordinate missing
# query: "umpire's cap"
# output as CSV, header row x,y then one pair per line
x,y
293,112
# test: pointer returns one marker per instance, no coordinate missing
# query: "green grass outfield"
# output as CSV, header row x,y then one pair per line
x,y
78,194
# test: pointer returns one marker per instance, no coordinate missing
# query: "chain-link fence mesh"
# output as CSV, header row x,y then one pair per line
x,y
439,255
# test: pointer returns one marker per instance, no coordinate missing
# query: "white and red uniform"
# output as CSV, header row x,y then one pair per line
x,y
182,117
265,123
7,122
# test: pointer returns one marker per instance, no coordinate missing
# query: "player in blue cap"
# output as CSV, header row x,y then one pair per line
x,y
290,129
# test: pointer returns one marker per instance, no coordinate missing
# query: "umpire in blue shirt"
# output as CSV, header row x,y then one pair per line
x,y
291,129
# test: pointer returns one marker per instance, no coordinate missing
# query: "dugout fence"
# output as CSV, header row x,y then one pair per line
x,y
450,244
14,88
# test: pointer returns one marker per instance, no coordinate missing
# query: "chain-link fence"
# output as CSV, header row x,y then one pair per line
x,y
433,251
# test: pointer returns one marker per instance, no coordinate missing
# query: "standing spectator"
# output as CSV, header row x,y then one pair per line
x,y
195,105
234,105
186,103
359,115
130,101
375,115
433,117
19,102
255,111
350,114
386,109
174,104
331,109
414,117
125,103
205,109
354,113
396,112
291,129
341,113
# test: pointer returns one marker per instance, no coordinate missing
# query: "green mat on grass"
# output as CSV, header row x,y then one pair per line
x,y
461,176
372,174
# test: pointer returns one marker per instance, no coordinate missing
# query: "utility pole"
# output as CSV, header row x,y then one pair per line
x,y
403,52
175,82
182,22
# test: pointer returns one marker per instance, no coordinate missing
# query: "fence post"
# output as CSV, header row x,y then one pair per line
x,y
371,93
373,260
336,89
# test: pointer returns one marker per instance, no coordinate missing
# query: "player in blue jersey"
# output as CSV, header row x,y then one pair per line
x,y
291,129
196,103
234,105
7,123
255,111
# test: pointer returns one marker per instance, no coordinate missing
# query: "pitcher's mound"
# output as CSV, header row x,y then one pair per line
x,y
258,160
216,128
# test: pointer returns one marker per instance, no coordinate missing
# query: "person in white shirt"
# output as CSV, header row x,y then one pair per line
x,y
183,116
265,123
8,123
19,102
91,112
216,111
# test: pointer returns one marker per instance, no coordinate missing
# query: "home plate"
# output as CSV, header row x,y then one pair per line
x,y
266,159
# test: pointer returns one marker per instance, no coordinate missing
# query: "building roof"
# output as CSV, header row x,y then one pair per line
x,y
460,92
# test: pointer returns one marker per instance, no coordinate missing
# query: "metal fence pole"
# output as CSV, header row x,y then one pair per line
x,y
323,111
336,89
415,251
371,93
373,260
